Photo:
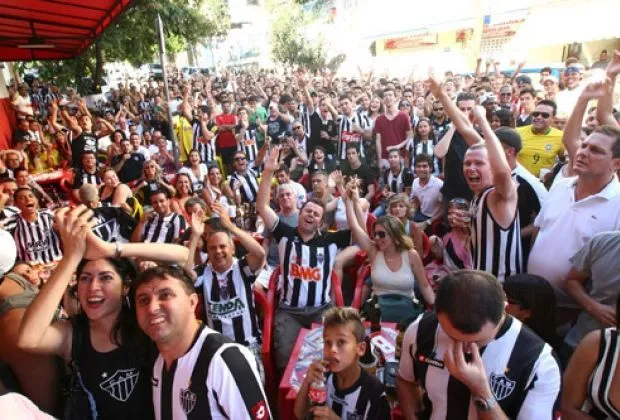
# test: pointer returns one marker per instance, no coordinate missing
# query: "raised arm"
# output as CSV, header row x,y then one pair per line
x,y
572,130
505,187
256,253
37,331
604,107
264,190
577,375
458,118
351,199
441,148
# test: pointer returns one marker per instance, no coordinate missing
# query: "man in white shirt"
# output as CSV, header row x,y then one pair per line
x,y
578,208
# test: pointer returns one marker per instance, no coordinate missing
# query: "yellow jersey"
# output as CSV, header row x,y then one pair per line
x,y
539,151
185,135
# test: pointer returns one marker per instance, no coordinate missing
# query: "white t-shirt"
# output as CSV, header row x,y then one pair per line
x,y
429,195
565,226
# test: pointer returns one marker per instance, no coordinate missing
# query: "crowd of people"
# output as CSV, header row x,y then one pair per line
x,y
486,206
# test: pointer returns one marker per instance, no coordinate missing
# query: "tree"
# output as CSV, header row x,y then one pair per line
x,y
133,37
290,45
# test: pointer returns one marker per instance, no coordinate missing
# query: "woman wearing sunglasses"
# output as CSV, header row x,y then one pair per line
x,y
396,267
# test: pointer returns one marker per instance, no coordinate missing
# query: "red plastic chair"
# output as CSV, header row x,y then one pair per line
x,y
370,222
362,274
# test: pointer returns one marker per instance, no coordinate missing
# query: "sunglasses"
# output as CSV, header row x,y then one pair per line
x,y
240,158
536,114
381,234
505,94
438,109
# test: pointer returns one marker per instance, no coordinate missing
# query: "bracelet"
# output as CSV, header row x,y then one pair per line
x,y
119,250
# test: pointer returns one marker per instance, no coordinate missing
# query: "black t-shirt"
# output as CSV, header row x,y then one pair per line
x,y
317,125
85,142
276,128
529,207
454,184
364,173
132,168
112,224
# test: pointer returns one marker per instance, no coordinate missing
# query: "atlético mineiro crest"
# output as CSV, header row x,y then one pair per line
x,y
501,386
120,386
188,400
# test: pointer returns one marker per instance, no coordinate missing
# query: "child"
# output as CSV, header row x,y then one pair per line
x,y
351,392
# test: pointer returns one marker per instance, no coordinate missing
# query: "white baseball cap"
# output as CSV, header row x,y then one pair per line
x,y
9,252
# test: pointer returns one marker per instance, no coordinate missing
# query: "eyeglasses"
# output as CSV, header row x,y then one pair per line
x,y
240,158
505,94
381,234
438,109
537,114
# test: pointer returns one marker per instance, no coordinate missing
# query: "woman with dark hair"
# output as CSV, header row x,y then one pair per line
x,y
217,190
592,378
501,118
395,266
184,191
114,149
319,161
531,300
196,170
104,341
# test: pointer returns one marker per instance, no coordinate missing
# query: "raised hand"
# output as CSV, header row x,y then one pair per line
x,y
272,160
222,212
613,67
596,89
434,83
73,226
197,222
480,114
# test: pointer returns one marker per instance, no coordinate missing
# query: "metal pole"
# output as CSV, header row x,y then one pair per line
x,y
162,61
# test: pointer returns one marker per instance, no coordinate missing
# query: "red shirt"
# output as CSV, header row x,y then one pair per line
x,y
226,137
392,131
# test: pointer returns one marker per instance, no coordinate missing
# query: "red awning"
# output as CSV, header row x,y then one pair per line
x,y
63,28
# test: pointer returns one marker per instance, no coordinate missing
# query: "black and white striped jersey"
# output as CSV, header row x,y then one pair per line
x,y
494,249
166,229
249,185
364,400
304,118
81,177
248,144
229,301
599,404
522,371
347,136
307,266
8,217
36,241
397,183
419,147
206,149
112,224
215,379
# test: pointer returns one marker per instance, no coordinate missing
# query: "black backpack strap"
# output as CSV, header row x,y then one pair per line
x,y
210,346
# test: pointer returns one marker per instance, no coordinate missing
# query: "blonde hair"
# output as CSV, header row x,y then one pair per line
x,y
396,230
401,198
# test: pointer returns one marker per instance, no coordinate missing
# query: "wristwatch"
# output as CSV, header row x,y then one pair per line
x,y
484,404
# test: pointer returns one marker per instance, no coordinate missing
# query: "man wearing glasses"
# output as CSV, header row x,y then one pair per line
x,y
243,179
541,142
439,119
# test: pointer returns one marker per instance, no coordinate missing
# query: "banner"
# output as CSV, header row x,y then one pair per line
x,y
409,42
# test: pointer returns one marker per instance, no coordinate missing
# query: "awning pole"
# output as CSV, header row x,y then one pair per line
x,y
162,61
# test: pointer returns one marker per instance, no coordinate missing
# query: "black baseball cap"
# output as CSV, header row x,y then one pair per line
x,y
524,79
509,137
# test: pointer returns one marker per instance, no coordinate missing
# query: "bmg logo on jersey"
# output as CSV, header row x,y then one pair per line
x,y
304,272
